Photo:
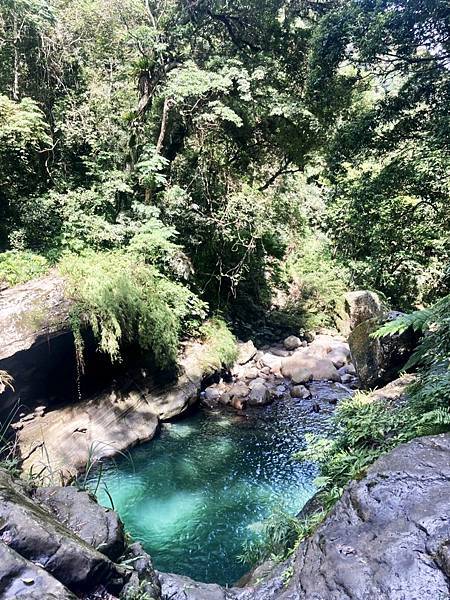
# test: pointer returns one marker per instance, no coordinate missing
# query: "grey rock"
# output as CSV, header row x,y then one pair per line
x,y
37,536
239,390
246,352
256,382
251,373
79,512
300,391
259,395
177,587
20,579
362,305
321,368
212,393
301,375
279,352
292,342
388,537
378,361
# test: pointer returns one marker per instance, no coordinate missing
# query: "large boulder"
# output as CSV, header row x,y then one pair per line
x,y
246,351
388,537
362,305
304,362
379,360
98,526
21,579
40,538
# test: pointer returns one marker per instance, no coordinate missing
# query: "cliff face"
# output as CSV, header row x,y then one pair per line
x,y
34,329
388,538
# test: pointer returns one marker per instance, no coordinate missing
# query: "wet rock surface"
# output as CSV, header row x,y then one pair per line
x,y
388,537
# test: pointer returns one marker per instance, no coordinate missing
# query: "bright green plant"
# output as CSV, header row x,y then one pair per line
x,y
278,536
18,267
315,284
126,301
220,343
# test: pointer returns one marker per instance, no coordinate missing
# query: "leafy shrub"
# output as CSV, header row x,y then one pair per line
x,y
316,283
221,343
278,534
124,300
17,267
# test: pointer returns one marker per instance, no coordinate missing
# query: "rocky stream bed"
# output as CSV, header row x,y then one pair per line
x,y
387,538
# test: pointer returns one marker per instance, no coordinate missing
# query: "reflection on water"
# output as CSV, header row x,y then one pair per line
x,y
203,487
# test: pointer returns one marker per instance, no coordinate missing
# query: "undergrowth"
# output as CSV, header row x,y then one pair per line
x,y
316,285
18,267
220,342
126,301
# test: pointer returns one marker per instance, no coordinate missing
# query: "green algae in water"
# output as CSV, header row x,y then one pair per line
x,y
193,495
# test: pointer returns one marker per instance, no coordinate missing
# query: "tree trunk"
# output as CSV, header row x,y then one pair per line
x,y
15,88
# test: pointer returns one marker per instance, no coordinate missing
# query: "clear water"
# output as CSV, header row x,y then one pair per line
x,y
194,494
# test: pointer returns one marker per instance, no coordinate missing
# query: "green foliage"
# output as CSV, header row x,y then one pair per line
x,y
221,344
138,593
316,284
126,301
388,161
367,426
278,535
19,267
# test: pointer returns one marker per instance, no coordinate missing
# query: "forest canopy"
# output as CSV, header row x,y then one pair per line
x,y
259,156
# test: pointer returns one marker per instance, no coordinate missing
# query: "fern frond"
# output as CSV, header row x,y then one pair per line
x,y
417,320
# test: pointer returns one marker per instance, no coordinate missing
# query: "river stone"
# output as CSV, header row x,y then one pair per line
x,y
321,368
251,372
388,537
79,512
339,355
239,390
212,393
271,361
292,342
279,352
20,579
300,391
301,375
35,534
246,352
256,382
259,395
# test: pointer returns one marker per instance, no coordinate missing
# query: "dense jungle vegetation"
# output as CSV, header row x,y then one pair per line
x,y
255,158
